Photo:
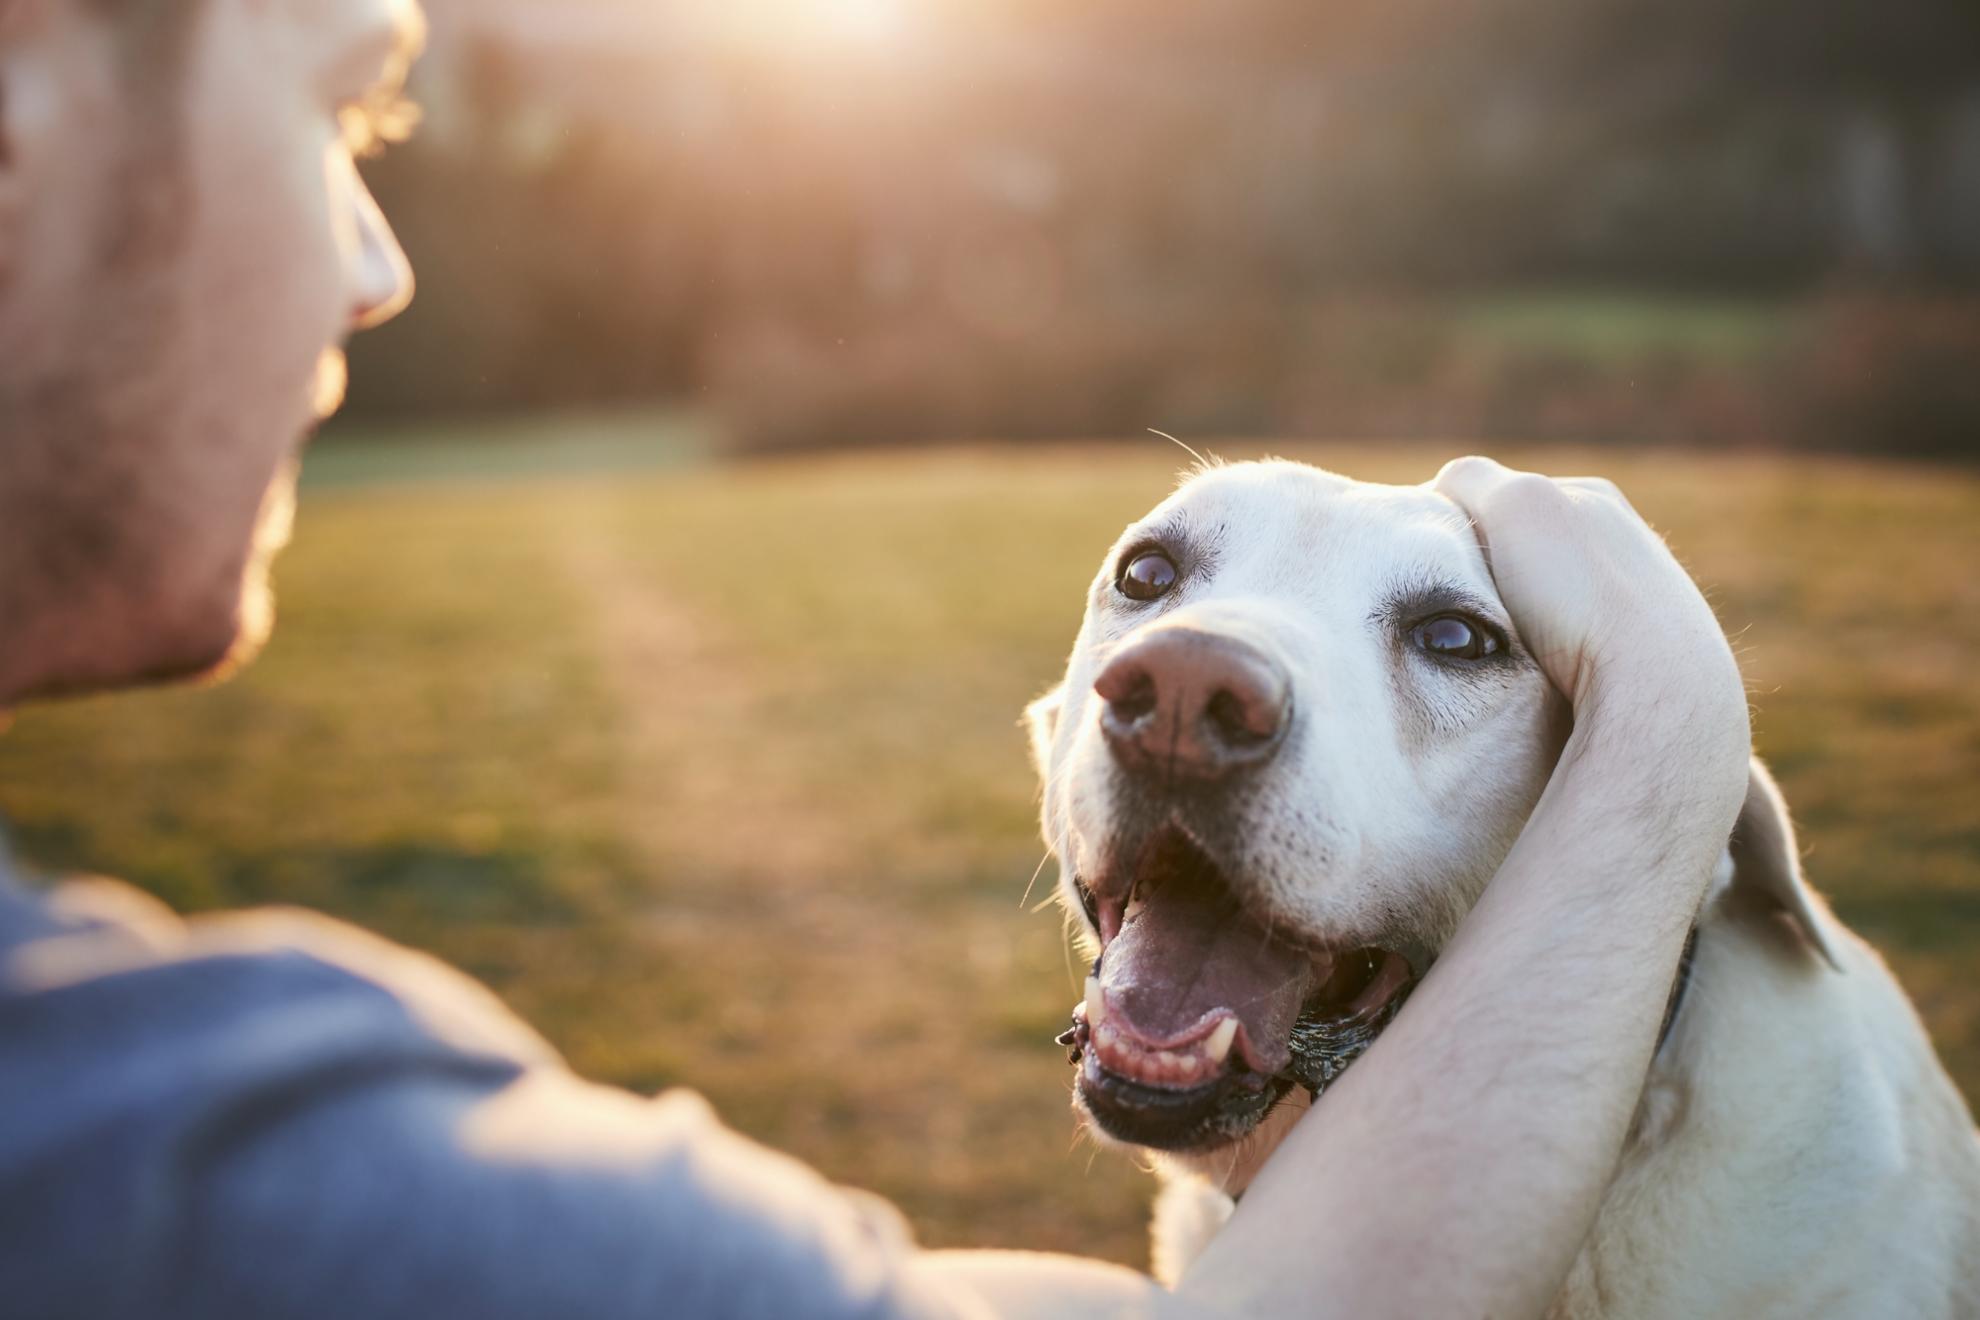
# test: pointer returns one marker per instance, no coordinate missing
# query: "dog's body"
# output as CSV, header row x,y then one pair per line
x,y
1798,1151
1296,713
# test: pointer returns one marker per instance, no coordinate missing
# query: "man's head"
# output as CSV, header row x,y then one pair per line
x,y
184,245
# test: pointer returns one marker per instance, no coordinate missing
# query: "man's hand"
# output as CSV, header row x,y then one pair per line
x,y
1611,617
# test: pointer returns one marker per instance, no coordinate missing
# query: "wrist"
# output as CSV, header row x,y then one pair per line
x,y
1668,741
1688,698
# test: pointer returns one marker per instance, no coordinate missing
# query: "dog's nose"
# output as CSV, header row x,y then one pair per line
x,y
1192,704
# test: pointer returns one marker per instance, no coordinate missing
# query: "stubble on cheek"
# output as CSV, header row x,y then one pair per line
x,y
153,457
332,377
257,592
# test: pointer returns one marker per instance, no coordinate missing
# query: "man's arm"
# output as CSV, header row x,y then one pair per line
x,y
273,1115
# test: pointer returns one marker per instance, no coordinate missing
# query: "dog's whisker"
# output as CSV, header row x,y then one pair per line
x,y
1238,1150
1038,871
1201,461
1074,982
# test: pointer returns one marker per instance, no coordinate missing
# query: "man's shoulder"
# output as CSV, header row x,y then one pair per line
x,y
275,1113
111,940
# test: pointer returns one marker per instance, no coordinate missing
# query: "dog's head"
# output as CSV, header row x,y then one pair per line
x,y
1297,735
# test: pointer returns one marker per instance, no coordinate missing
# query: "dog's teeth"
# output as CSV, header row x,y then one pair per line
x,y
1218,1044
1188,1066
1133,909
1104,1036
1096,1002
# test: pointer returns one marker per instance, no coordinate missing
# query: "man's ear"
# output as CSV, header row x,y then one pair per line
x,y
1767,864
1041,720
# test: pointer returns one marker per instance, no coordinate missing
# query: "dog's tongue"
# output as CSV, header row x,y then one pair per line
x,y
1191,950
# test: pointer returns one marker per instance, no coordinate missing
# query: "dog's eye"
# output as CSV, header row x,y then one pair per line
x,y
1454,637
1148,575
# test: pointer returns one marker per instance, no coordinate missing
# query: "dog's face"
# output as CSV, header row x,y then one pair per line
x,y
1296,737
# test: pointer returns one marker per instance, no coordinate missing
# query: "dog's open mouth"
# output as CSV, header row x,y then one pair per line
x,y
1197,1019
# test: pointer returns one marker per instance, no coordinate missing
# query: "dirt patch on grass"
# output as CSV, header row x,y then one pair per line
x,y
702,788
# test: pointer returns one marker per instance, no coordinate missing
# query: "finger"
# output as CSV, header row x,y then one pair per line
x,y
1474,478
1497,496
1470,481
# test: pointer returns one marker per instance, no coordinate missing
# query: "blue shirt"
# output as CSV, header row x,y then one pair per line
x,y
275,1115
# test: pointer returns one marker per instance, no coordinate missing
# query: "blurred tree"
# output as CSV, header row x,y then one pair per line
x,y
1033,217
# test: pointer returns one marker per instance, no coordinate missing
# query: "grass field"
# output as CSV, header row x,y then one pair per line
x,y
714,773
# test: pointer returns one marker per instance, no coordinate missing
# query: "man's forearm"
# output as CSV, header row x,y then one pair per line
x,y
1039,1286
1489,1116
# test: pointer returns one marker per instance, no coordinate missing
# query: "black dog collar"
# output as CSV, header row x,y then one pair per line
x,y
1678,987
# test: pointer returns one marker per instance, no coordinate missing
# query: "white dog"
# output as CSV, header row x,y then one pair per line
x,y
1297,735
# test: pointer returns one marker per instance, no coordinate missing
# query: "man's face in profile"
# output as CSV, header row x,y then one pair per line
x,y
184,245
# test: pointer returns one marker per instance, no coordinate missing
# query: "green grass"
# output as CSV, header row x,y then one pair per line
x,y
714,773
1621,329
507,447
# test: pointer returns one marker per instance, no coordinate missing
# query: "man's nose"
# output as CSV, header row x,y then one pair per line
x,y
1187,704
382,278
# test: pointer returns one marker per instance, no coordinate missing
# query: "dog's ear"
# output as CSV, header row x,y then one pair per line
x,y
1767,864
1041,720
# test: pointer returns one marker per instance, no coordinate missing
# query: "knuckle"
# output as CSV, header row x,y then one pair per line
x,y
1471,465
1470,471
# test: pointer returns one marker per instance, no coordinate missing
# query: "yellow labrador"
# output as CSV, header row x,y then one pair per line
x,y
1297,735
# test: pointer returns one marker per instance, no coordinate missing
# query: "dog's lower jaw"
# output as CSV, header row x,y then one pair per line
x,y
1231,1168
1153,1116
